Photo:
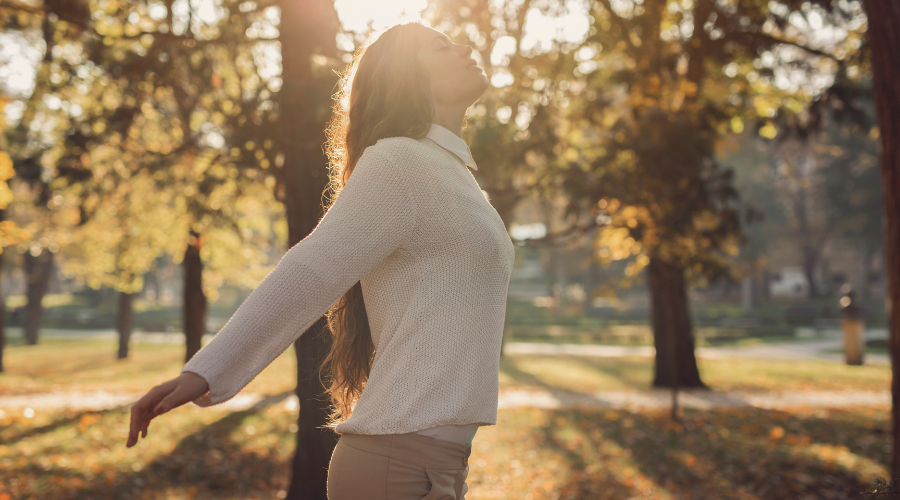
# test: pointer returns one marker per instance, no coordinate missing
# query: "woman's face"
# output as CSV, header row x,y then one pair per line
x,y
455,78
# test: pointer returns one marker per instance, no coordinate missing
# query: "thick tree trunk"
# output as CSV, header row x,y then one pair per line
x,y
314,444
124,322
2,306
194,305
884,38
308,28
672,328
37,271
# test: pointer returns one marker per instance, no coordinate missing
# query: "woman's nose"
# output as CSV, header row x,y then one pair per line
x,y
467,50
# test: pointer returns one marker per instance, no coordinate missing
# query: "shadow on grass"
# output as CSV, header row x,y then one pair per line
x,y
62,422
510,366
586,480
702,461
208,460
513,367
635,374
632,373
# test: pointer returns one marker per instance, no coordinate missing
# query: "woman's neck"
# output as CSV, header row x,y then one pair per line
x,y
449,117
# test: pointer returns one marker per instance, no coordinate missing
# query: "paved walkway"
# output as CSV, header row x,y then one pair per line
x,y
509,398
816,349
802,349
703,400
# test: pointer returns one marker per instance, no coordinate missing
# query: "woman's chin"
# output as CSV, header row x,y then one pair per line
x,y
476,87
483,83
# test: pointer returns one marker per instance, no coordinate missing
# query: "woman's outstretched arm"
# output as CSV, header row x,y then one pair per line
x,y
370,219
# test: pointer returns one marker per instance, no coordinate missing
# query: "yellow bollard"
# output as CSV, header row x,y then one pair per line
x,y
854,328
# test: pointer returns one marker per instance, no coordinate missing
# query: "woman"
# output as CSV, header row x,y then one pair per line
x,y
413,368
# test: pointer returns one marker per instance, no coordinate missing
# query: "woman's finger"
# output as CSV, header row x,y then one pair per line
x,y
140,414
137,419
131,429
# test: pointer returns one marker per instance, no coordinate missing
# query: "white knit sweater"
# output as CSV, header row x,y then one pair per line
x,y
434,260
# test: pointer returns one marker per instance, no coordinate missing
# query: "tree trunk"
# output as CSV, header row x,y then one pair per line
x,y
194,309
809,250
884,38
308,28
314,444
124,322
2,305
671,322
37,270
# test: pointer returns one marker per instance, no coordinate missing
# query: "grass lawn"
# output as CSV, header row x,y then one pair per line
x,y
531,454
89,365
57,364
584,374
638,335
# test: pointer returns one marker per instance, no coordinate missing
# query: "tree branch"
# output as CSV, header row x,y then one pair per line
x,y
14,5
772,39
617,20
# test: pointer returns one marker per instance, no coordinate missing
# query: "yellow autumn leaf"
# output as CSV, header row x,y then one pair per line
x,y
6,195
768,131
6,166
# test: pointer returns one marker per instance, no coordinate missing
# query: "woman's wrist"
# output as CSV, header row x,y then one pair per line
x,y
194,379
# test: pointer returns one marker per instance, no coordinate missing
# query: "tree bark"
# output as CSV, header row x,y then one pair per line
x,y
884,38
37,271
810,251
671,320
124,322
194,305
2,305
308,28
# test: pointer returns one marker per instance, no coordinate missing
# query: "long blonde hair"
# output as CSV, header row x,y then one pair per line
x,y
383,93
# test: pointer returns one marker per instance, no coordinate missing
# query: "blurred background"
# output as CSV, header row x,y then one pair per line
x,y
692,186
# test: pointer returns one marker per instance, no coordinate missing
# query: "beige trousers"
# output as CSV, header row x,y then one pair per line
x,y
397,467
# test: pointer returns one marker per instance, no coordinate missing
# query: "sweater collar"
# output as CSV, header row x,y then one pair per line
x,y
451,142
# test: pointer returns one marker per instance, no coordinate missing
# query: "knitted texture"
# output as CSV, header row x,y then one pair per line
x,y
434,261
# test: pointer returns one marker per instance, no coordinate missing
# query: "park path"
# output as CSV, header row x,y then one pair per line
x,y
509,398
535,397
802,349
810,349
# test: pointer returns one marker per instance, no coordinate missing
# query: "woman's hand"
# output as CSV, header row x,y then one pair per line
x,y
180,390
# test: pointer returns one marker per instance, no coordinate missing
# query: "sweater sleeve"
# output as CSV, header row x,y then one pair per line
x,y
371,217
